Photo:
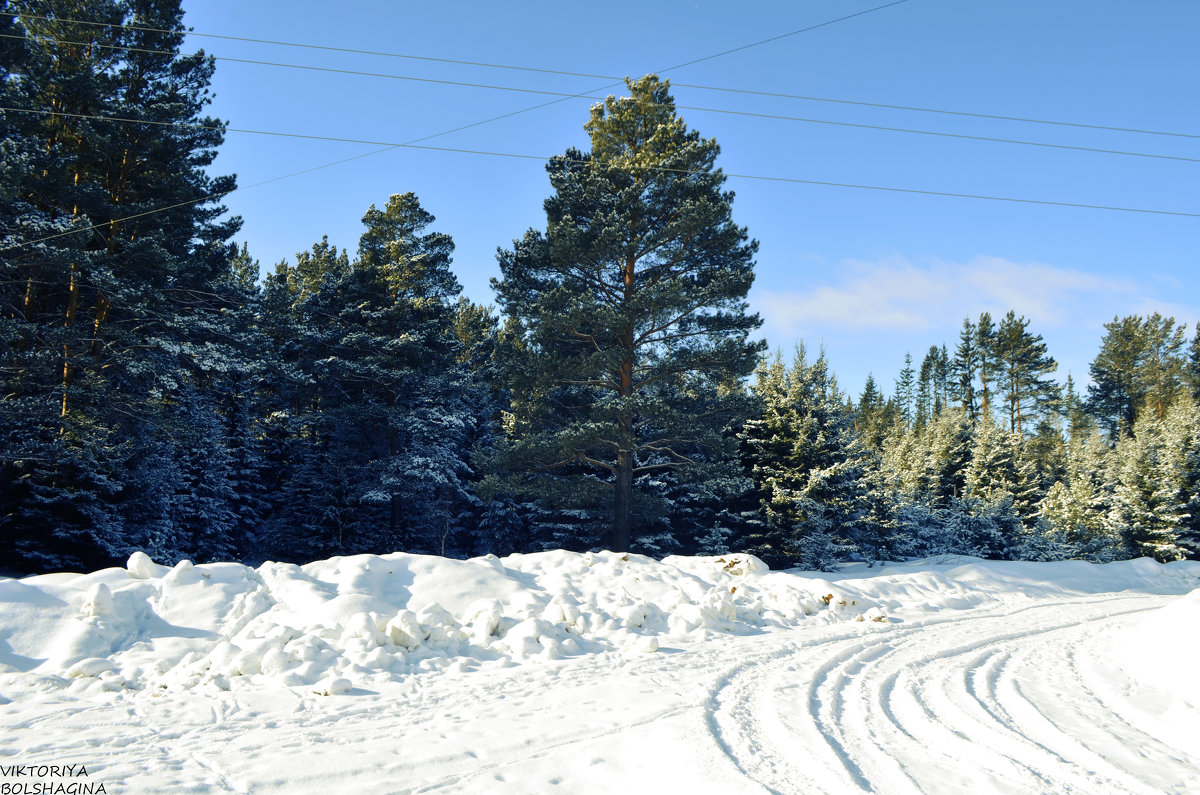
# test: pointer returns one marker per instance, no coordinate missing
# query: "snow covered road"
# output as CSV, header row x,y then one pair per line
x,y
979,678
1018,700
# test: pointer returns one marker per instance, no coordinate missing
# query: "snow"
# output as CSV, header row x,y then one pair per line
x,y
594,672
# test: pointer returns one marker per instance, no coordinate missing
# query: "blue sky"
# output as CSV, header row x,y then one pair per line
x,y
867,274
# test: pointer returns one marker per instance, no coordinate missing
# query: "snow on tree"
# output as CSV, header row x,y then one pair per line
x,y
806,471
107,333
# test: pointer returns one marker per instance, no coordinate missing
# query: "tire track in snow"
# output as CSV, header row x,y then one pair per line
x,y
750,732
1071,729
962,703
733,718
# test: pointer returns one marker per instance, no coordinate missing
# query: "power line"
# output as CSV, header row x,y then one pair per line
x,y
580,161
326,48
483,64
786,35
446,60
415,141
209,198
941,134
667,69
494,118
724,111
943,111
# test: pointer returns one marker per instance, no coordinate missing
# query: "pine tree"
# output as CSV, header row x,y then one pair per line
x,y
1141,365
1163,365
1114,394
1024,363
109,329
630,322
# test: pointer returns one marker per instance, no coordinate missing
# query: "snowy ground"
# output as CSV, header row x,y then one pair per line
x,y
599,673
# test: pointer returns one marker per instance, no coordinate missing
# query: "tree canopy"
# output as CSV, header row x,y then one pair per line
x,y
629,322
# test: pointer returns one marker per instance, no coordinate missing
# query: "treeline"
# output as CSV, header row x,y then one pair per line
x,y
155,395
980,453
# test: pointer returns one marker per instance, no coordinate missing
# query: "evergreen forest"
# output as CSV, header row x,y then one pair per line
x,y
158,393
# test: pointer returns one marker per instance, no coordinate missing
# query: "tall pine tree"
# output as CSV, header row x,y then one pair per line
x,y
631,322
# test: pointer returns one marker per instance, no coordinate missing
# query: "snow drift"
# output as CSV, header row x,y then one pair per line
x,y
345,622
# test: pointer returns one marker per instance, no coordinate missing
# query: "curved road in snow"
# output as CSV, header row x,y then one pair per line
x,y
1021,700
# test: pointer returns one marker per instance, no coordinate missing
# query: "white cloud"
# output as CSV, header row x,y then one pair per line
x,y
1184,313
900,296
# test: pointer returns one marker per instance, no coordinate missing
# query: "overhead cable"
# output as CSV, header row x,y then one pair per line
x,y
561,72
544,158
724,111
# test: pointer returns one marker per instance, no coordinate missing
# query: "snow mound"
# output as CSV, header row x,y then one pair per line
x,y
1164,647
332,625
345,623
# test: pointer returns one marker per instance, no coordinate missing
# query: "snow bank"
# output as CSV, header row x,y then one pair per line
x,y
1163,648
961,582
348,622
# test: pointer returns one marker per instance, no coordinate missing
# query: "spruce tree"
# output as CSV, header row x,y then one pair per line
x,y
805,469
1073,511
947,446
926,398
874,415
1193,364
1142,511
377,400
629,321
996,479
1074,411
1178,494
963,369
985,344
904,390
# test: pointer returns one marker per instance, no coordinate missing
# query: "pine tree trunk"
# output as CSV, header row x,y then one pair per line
x,y
72,308
28,310
623,502
623,487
